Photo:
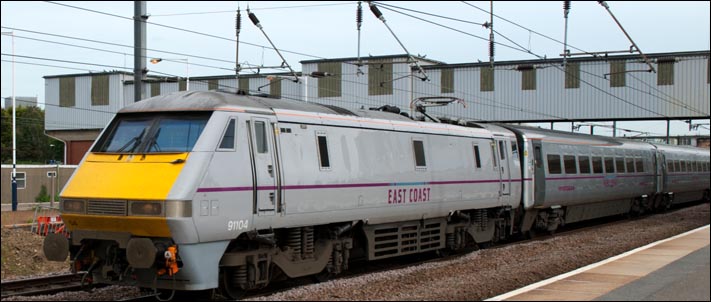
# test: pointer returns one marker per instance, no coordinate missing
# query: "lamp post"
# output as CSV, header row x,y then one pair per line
x,y
14,129
187,68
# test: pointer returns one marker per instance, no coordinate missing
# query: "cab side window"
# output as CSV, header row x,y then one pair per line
x,y
228,138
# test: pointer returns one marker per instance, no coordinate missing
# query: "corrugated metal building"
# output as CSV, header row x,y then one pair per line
x,y
586,89
601,88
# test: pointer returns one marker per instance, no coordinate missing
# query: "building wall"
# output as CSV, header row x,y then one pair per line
x,y
35,178
641,98
683,93
83,115
21,101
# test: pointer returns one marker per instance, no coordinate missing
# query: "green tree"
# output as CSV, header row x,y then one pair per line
x,y
33,146
6,136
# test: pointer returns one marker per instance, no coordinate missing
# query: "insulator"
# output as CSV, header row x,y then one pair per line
x,y
566,5
254,19
491,49
376,11
238,22
359,15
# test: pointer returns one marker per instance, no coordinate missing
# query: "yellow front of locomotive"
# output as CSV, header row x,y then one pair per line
x,y
118,205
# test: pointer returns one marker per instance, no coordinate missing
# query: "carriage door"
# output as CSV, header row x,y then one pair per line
x,y
265,171
539,174
504,166
660,168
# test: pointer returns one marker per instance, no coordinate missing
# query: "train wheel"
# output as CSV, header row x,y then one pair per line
x,y
323,276
229,283
442,253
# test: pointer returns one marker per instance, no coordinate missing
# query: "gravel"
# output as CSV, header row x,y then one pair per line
x,y
476,275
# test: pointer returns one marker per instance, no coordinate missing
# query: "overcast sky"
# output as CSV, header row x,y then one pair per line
x,y
318,30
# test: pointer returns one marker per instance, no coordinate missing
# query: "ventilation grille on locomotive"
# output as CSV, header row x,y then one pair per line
x,y
107,207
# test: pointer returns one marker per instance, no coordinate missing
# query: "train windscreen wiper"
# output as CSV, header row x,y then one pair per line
x,y
153,142
136,140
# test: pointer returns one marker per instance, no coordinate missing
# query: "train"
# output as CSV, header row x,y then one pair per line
x,y
223,192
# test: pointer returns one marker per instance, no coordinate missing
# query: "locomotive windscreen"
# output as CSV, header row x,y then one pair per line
x,y
142,133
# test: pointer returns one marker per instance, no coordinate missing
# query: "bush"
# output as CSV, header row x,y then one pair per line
x,y
42,196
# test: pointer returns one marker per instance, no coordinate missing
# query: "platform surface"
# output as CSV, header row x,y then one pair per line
x,y
674,269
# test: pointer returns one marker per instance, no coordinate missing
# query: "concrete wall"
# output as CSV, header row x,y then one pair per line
x,y
35,178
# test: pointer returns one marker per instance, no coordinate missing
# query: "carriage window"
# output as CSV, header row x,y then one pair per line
x,y
640,165
630,164
323,151
419,149
620,162
569,162
584,163
670,166
260,132
683,166
554,164
477,158
609,165
502,150
228,139
677,166
597,164
538,157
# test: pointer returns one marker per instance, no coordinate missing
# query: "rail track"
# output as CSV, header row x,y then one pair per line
x,y
42,285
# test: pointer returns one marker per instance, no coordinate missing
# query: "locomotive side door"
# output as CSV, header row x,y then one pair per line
x,y
504,169
504,166
265,170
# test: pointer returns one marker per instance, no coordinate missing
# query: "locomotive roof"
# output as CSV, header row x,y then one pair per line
x,y
557,136
216,100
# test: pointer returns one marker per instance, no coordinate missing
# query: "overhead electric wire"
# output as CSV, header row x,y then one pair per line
x,y
185,30
586,82
523,49
264,8
520,109
65,61
583,51
46,65
530,30
385,4
122,45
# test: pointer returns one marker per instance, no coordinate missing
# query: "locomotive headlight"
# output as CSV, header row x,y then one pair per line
x,y
146,208
72,206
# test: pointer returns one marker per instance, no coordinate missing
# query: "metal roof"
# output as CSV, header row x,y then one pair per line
x,y
217,100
